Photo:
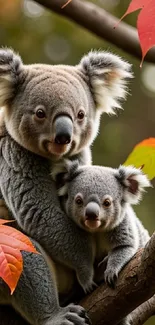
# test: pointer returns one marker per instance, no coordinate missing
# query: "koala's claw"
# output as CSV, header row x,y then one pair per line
x,y
89,287
71,315
110,277
103,263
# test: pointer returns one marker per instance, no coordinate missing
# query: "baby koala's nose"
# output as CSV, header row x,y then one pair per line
x,y
92,211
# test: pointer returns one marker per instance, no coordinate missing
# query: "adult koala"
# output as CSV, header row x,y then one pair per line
x,y
51,112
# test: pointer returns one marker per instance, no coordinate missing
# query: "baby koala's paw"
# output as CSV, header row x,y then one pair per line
x,y
89,287
85,280
110,277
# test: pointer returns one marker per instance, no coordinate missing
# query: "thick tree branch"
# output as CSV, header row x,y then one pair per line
x,y
101,23
136,284
142,313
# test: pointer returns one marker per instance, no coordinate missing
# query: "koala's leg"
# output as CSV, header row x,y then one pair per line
x,y
36,296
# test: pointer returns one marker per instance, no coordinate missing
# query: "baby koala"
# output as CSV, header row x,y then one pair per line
x,y
99,200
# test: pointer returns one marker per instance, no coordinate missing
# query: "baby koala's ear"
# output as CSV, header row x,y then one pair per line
x,y
10,67
133,181
107,74
63,173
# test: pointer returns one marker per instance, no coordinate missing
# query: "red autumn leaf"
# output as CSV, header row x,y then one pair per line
x,y
11,262
134,5
145,23
146,27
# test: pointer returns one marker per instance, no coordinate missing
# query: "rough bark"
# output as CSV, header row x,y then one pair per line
x,y
101,23
142,313
135,285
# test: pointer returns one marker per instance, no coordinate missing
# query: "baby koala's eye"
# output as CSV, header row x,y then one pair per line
x,y
106,203
40,113
78,200
81,115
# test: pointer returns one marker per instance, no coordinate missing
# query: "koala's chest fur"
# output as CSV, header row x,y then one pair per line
x,y
101,246
66,277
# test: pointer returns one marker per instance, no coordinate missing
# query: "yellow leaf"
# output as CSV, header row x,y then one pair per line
x,y
143,155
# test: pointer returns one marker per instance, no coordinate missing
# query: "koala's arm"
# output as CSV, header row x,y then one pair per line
x,y
31,195
123,242
36,296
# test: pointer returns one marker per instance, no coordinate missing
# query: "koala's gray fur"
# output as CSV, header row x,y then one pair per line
x,y
31,195
36,295
99,201
94,86
41,111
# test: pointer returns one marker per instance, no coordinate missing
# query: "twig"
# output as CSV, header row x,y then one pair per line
x,y
101,23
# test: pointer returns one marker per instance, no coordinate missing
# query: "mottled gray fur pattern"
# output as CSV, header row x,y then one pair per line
x,y
99,200
31,195
52,112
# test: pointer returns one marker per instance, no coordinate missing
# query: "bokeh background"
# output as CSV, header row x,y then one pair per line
x,y
42,36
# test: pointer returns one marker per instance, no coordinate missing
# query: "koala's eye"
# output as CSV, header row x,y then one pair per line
x,y
106,203
40,113
81,115
78,200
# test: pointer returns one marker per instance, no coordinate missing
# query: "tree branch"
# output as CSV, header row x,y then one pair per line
x,y
142,313
101,23
135,285
105,306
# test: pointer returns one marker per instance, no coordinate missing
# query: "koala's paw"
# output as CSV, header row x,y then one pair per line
x,y
71,315
89,287
86,281
110,277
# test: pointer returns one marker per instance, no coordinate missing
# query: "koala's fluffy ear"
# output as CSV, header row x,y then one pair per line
x,y
134,181
63,173
107,74
10,67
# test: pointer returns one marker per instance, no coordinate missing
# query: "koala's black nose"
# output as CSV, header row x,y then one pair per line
x,y
92,211
63,138
63,127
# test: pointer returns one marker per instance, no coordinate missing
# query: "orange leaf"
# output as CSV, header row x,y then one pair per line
x,y
145,23
11,262
3,221
150,142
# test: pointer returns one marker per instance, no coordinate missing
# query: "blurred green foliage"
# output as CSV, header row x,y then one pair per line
x,y
42,36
